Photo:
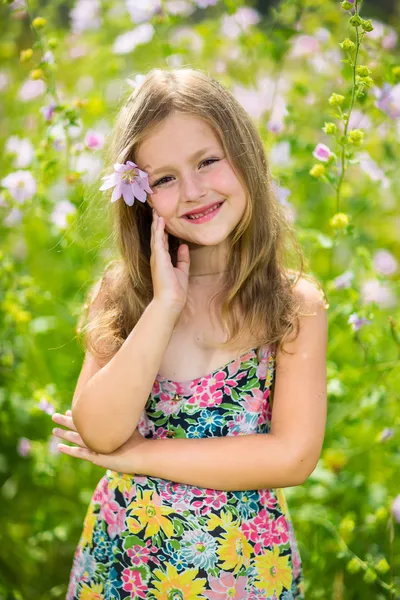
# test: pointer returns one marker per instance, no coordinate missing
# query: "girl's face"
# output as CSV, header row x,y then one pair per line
x,y
188,170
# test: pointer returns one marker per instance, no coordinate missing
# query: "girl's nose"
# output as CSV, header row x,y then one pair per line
x,y
192,187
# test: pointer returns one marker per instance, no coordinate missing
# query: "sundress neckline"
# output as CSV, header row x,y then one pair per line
x,y
240,359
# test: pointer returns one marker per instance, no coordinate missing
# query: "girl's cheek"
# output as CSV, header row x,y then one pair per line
x,y
223,179
164,203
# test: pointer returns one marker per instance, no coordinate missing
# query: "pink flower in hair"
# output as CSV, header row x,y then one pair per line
x,y
128,181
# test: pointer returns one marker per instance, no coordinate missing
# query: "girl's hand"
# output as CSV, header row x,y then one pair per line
x,y
170,284
126,459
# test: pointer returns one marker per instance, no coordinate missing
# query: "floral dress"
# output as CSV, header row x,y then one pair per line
x,y
146,537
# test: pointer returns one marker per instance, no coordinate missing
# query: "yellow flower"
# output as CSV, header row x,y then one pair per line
x,y
39,22
225,521
334,459
356,136
88,526
122,481
383,566
92,593
273,572
317,171
336,99
235,550
26,55
177,586
339,221
151,513
37,74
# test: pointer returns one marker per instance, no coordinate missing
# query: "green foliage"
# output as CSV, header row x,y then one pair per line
x,y
326,88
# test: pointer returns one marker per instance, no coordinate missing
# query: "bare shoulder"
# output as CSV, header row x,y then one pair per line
x,y
310,293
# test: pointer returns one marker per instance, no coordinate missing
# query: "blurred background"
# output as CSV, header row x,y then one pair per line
x,y
65,68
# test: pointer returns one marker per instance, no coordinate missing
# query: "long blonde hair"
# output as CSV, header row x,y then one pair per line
x,y
257,297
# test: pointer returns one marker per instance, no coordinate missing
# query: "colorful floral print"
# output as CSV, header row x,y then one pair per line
x,y
145,537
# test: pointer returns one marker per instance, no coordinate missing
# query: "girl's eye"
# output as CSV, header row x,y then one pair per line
x,y
162,180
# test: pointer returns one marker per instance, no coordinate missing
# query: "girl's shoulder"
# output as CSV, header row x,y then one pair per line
x,y
307,288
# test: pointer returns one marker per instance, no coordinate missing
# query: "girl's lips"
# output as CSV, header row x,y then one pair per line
x,y
206,217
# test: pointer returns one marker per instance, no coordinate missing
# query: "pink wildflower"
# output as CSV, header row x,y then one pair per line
x,y
128,181
322,152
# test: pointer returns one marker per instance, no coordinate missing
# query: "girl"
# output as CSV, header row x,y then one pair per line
x,y
188,335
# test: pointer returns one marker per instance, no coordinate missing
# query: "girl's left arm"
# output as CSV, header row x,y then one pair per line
x,y
284,457
288,454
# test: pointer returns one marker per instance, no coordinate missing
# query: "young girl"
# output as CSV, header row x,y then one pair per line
x,y
188,335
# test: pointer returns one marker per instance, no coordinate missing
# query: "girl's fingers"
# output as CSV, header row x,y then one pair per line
x,y
77,452
70,436
64,420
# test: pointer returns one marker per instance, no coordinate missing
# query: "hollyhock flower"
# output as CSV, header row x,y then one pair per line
x,y
24,446
85,15
32,88
4,80
127,42
370,167
384,262
302,45
386,434
128,181
21,185
94,140
142,10
48,57
48,111
234,25
344,280
388,100
390,40
46,407
280,154
53,445
396,508
134,83
23,150
322,152
357,322
205,3
59,216
89,165
180,7
187,36
14,217
375,291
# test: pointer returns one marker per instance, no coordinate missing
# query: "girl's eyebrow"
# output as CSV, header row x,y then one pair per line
x,y
166,167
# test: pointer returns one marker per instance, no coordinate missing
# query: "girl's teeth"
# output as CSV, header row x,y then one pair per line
x,y
205,213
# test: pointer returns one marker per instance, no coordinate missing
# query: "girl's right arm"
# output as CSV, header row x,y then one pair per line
x,y
107,409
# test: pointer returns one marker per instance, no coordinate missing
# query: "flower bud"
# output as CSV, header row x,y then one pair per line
x,y
336,100
396,71
367,25
346,5
363,70
330,128
356,136
354,565
52,43
37,74
382,566
355,20
369,576
317,171
347,44
339,221
39,23
26,55
367,81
